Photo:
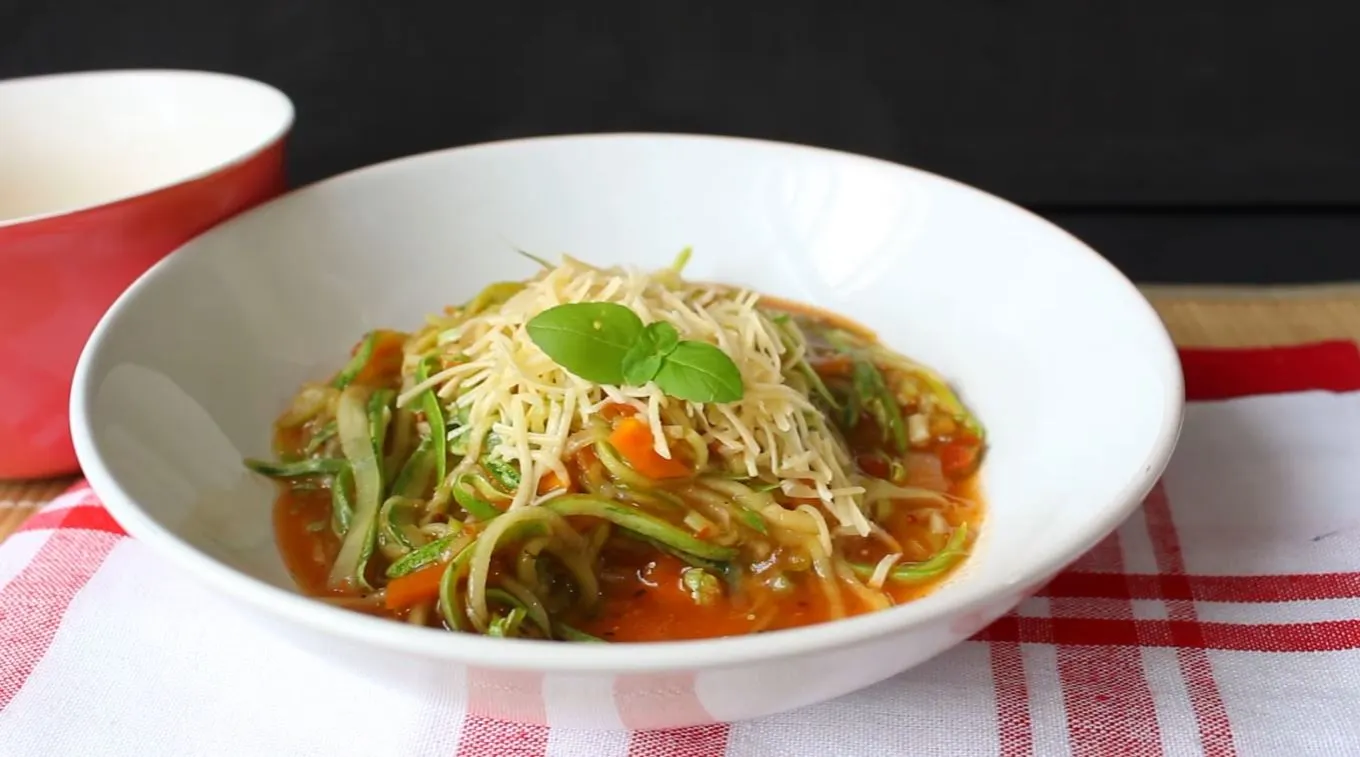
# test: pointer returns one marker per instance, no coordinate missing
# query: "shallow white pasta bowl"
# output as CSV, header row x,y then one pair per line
x,y
1061,358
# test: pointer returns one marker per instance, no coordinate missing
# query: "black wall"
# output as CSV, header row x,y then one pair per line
x,y
1187,140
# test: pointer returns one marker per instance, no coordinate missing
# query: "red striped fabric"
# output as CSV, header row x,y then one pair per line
x,y
33,603
678,690
1099,657
1012,699
514,694
1215,374
1205,700
91,517
1109,702
1246,589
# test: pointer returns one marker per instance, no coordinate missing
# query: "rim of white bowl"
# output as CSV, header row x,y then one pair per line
x,y
285,115
962,598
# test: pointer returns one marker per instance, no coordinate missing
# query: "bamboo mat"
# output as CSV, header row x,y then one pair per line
x,y
1195,316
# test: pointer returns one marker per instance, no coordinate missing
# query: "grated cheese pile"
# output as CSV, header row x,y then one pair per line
x,y
509,388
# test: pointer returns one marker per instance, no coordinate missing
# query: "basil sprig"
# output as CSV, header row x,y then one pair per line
x,y
607,343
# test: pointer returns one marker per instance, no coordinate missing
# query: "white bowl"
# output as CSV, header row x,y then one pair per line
x,y
1065,363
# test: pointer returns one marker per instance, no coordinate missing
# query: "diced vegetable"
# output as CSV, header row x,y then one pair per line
x,y
703,587
918,430
376,359
384,364
834,366
413,588
611,410
958,460
923,470
550,482
632,437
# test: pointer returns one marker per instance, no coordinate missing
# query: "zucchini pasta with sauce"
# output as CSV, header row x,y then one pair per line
x,y
611,455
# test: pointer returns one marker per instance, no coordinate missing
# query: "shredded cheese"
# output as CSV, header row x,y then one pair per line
x,y
880,573
523,407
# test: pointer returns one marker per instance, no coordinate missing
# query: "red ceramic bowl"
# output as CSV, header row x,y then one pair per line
x,y
101,175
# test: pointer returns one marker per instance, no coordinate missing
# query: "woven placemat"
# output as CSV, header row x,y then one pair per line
x,y
1257,316
1196,317
18,500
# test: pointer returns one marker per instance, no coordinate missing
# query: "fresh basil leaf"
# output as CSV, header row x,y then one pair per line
x,y
644,359
663,336
640,365
700,372
589,339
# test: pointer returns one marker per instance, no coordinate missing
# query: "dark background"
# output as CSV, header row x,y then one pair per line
x,y
1186,140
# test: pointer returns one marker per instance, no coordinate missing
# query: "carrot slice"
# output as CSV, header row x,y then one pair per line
x,y
632,437
834,366
958,460
550,481
612,410
415,587
385,363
